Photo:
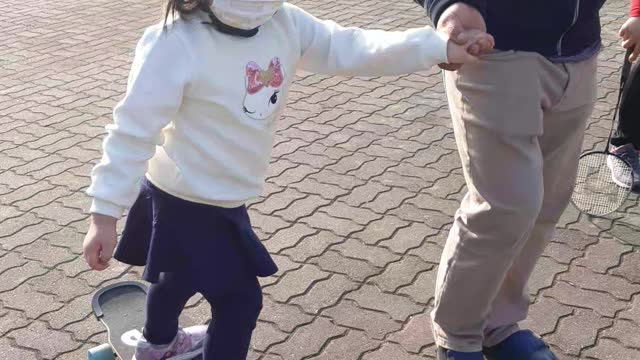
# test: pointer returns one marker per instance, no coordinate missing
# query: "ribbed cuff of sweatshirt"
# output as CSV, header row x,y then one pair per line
x,y
441,51
106,208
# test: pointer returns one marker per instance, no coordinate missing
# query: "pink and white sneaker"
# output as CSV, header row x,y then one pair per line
x,y
188,343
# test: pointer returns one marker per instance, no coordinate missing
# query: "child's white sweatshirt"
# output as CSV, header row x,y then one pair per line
x,y
198,115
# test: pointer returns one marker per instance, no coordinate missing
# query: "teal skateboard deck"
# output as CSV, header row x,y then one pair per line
x,y
121,309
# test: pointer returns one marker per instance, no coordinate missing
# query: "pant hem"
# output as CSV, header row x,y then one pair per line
x,y
502,338
443,342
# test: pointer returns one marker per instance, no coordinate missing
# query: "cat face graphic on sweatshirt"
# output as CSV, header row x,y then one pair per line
x,y
263,89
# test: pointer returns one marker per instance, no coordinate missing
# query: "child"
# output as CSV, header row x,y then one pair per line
x,y
626,140
194,132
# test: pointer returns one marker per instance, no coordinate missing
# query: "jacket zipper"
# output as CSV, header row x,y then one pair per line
x,y
573,22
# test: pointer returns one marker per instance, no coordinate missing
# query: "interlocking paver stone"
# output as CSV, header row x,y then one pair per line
x,y
356,209
391,351
603,256
114,271
544,274
12,278
602,303
308,340
324,191
394,179
355,269
416,335
47,255
348,347
431,202
586,279
74,268
592,228
429,251
312,246
344,181
86,329
630,268
575,239
364,193
611,350
374,323
296,282
377,256
357,142
561,252
325,293
11,320
287,238
399,273
370,297
633,312
342,227
55,341
373,168
32,303
431,218
545,314
626,332
422,289
268,224
388,200
409,238
343,211
578,331
285,317
269,335
11,260
11,352
63,288
380,230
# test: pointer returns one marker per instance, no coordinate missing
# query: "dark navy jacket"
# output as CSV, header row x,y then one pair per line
x,y
560,29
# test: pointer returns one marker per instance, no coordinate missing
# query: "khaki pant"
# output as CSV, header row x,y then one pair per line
x,y
519,123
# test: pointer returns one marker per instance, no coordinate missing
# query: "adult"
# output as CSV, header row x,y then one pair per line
x,y
519,117
626,140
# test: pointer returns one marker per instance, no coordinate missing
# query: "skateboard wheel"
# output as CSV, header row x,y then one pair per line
x,y
102,352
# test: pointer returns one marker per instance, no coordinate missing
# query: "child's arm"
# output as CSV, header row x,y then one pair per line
x,y
630,31
328,48
158,77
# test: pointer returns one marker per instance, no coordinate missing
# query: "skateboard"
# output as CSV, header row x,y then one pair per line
x,y
121,309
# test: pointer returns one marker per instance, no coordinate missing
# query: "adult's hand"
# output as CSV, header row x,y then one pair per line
x,y
630,34
463,23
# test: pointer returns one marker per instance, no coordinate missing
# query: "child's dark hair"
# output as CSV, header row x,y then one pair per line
x,y
185,7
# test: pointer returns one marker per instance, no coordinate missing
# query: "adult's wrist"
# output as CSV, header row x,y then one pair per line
x,y
436,8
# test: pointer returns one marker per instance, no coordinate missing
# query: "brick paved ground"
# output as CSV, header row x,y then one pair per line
x,y
361,192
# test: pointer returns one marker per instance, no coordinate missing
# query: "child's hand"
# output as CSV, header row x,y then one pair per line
x,y
476,42
630,34
100,241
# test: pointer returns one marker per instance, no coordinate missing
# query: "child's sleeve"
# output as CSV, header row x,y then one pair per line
x,y
634,10
158,77
328,48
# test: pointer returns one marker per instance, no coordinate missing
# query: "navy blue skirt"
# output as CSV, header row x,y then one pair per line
x,y
212,245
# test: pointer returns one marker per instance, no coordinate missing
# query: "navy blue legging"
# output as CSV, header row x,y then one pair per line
x,y
234,311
